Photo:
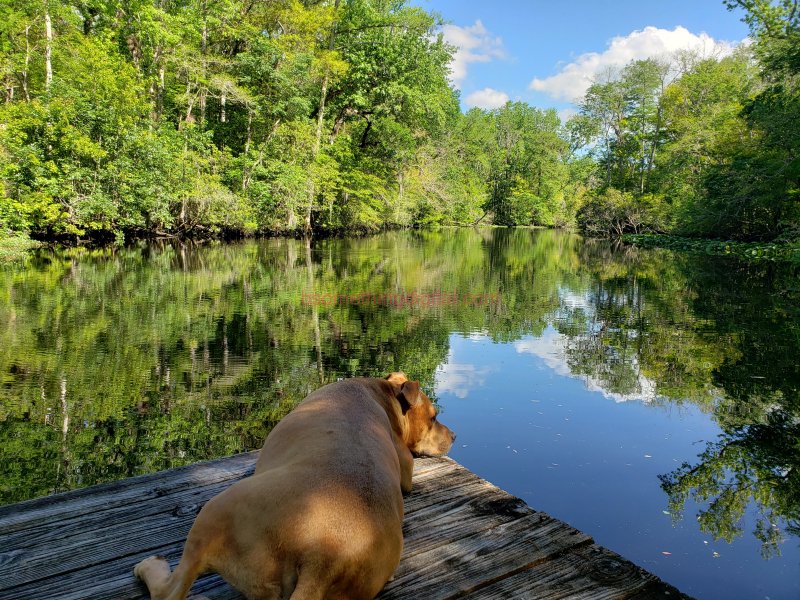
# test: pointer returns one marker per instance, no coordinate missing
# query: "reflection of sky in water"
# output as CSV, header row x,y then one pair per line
x,y
550,347
580,454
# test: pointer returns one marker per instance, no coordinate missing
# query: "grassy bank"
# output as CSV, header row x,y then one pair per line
x,y
15,246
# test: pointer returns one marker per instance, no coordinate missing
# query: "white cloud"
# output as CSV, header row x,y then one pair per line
x,y
473,44
486,98
572,81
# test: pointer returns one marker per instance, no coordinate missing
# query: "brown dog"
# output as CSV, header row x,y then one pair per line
x,y
321,518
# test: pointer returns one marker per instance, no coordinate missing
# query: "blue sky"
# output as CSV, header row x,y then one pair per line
x,y
546,52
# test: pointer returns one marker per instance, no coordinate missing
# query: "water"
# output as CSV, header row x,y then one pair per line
x,y
648,398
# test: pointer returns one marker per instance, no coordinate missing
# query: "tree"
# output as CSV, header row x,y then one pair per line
x,y
705,132
526,160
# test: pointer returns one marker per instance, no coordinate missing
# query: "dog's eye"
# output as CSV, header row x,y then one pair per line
x,y
433,418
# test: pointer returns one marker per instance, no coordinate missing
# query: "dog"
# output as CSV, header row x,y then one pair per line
x,y
321,517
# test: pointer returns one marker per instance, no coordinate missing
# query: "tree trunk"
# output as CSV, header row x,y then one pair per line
x,y
320,120
162,86
365,135
25,91
401,187
249,139
48,49
202,104
317,142
203,51
156,88
654,143
189,117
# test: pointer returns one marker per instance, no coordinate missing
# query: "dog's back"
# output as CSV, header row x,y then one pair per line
x,y
321,518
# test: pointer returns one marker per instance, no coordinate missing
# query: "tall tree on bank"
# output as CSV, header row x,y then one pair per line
x,y
765,184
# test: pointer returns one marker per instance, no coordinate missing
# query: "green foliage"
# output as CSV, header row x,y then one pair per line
x,y
711,151
201,118
15,246
521,154
749,251
613,211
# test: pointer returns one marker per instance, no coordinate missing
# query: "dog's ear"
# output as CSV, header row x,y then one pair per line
x,y
397,378
409,395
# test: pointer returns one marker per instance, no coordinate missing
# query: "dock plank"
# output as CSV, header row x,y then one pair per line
x,y
464,538
143,488
591,572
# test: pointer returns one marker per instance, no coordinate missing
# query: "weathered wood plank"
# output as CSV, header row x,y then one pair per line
x,y
588,573
116,518
464,537
93,541
470,562
107,534
113,530
459,515
143,488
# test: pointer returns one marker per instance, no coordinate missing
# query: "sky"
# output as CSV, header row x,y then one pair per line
x,y
547,53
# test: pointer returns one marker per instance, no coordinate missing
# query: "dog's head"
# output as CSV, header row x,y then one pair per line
x,y
422,433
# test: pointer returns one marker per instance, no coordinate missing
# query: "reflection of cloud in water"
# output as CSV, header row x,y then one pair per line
x,y
550,347
459,378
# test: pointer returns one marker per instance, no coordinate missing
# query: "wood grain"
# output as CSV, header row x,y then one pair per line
x,y
464,538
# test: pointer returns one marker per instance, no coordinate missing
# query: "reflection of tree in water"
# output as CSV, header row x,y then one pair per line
x,y
672,328
759,462
634,334
117,362
757,457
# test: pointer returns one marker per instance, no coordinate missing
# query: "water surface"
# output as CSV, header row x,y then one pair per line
x,y
646,397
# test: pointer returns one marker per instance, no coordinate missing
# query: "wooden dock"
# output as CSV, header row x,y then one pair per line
x,y
464,538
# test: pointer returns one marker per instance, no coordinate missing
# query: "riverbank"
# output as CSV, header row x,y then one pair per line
x,y
758,251
15,246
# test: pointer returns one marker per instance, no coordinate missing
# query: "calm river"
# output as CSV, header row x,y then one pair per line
x,y
648,398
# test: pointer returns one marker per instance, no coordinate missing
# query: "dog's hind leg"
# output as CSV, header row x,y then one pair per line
x,y
310,591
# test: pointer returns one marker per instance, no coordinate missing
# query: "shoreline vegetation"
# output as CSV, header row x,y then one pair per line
x,y
778,251
15,246
197,119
